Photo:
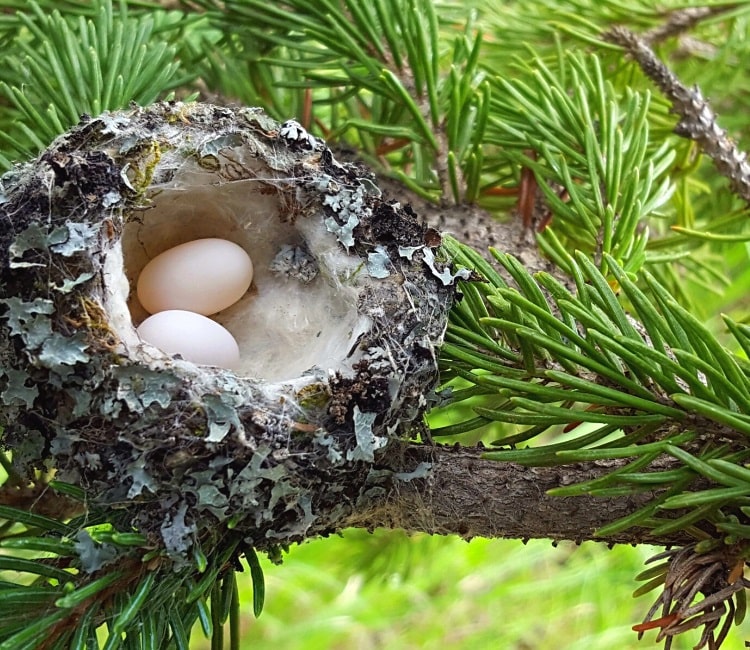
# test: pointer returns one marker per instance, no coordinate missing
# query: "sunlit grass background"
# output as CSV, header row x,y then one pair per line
x,y
387,590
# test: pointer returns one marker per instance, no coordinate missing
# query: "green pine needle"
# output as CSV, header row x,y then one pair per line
x,y
381,74
66,66
554,357
589,150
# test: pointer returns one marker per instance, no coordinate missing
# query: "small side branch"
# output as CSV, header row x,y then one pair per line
x,y
715,575
682,20
698,122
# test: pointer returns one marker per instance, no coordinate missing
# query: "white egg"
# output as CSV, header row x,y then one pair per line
x,y
194,337
204,276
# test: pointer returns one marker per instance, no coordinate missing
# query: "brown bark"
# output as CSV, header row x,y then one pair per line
x,y
466,495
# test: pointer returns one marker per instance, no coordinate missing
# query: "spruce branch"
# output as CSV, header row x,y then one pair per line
x,y
486,498
596,169
76,573
713,572
697,121
684,19
526,351
388,95
59,72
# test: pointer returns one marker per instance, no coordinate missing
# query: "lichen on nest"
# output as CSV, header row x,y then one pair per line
x,y
338,348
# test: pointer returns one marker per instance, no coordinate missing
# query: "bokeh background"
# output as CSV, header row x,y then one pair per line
x,y
388,590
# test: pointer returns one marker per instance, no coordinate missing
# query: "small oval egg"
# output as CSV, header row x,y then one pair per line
x,y
194,337
204,276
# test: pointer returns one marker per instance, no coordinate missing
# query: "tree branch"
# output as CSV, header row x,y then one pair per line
x,y
682,20
466,495
698,122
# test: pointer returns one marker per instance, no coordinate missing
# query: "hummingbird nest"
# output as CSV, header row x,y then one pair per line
x,y
337,335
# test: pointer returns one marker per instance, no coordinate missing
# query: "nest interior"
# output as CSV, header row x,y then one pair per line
x,y
293,319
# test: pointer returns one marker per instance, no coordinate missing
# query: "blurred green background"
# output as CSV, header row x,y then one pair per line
x,y
390,590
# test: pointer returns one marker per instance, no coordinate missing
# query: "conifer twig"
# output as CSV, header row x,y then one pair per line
x,y
698,122
682,20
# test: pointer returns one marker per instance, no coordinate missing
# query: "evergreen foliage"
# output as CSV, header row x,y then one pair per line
x,y
525,109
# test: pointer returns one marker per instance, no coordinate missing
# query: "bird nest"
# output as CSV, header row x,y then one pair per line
x,y
337,334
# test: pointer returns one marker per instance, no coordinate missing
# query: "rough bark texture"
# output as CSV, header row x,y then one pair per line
x,y
465,495
698,121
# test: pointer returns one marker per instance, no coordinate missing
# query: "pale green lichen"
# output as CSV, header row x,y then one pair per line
x,y
367,442
17,393
93,556
378,262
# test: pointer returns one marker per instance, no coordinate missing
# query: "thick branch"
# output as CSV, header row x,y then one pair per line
x,y
472,497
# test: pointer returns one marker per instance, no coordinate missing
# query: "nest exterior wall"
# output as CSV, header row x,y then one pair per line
x,y
181,446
